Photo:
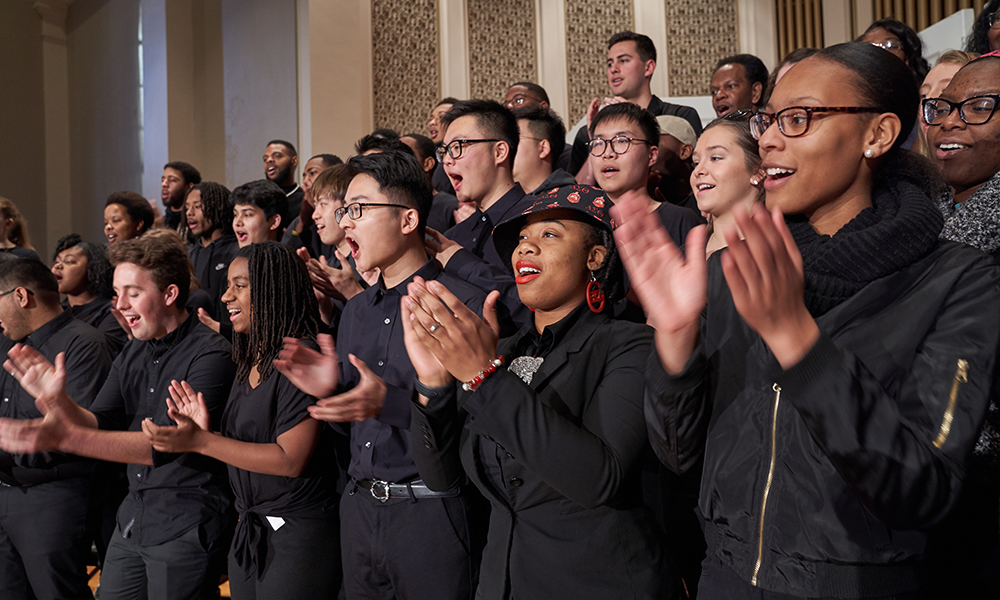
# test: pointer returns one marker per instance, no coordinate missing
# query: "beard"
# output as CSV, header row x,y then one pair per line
x,y
281,175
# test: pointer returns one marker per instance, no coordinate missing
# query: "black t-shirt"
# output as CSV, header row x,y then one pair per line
x,y
97,314
211,267
295,195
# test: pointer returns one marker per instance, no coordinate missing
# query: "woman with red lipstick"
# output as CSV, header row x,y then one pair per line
x,y
554,436
287,542
831,370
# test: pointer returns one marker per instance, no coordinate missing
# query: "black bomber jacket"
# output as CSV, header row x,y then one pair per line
x,y
823,479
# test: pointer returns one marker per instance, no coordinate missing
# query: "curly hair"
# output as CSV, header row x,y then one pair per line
x,y
913,48
282,304
979,38
163,255
99,271
137,207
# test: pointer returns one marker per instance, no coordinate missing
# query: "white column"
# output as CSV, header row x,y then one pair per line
x,y
837,22
453,29
550,42
651,20
55,61
758,30
864,14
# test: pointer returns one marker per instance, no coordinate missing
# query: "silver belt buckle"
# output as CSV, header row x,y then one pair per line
x,y
380,490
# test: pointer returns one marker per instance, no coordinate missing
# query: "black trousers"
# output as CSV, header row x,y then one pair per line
x,y
301,560
719,582
43,541
407,549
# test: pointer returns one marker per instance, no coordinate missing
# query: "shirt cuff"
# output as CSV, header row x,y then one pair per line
x,y
396,408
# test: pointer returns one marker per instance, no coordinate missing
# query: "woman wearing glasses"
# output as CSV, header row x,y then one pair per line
x,y
900,40
985,34
825,367
964,137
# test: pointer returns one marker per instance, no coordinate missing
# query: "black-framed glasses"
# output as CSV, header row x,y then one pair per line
x,y
354,211
973,111
11,291
619,144
742,114
456,147
890,44
794,120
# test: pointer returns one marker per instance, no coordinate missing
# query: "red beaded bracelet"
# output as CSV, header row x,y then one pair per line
x,y
471,385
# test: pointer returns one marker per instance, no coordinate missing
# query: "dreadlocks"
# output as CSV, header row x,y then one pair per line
x,y
282,304
216,205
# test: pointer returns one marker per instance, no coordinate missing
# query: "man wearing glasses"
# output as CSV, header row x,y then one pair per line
x,y
399,538
478,156
44,497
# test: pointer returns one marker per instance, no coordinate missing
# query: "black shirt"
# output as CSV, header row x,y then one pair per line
x,y
370,329
480,264
20,252
442,216
172,218
87,365
656,106
678,221
180,490
97,314
211,267
440,180
295,195
556,179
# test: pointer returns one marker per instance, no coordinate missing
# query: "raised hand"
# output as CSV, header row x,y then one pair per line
x,y
184,402
31,436
312,372
363,401
184,437
464,211
206,319
672,287
764,274
461,341
440,247
37,375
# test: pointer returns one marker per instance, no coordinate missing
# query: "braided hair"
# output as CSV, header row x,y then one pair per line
x,y
216,205
282,304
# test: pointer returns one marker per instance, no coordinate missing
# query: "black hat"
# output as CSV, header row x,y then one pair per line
x,y
589,201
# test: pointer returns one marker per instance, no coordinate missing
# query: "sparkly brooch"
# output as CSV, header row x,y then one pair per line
x,y
525,367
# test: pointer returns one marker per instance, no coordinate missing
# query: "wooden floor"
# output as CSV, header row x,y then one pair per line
x,y
95,579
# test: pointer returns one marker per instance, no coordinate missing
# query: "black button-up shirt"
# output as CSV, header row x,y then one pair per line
x,y
479,263
211,267
97,314
87,364
180,490
370,329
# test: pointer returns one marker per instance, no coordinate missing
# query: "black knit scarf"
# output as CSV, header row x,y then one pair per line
x,y
901,226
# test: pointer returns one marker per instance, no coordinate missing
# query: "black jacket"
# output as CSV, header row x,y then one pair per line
x,y
823,479
570,522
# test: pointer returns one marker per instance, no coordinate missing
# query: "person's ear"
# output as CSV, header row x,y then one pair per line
x,y
22,296
409,220
430,163
649,68
595,258
654,153
544,149
501,150
274,222
171,294
295,161
882,133
686,151
756,91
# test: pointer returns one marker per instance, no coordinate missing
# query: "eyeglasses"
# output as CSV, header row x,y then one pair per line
x,y
994,20
794,120
619,144
354,210
742,114
973,111
890,44
456,147
30,293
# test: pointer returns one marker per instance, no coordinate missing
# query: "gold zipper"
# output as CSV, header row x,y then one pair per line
x,y
961,376
767,485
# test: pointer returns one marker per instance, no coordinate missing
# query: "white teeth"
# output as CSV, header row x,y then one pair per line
x,y
779,171
705,186
527,271
952,146
234,311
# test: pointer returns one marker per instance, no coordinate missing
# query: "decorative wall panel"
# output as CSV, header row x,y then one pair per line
x,y
699,33
501,45
589,24
405,66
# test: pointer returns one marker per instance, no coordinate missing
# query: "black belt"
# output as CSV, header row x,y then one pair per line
x,y
383,490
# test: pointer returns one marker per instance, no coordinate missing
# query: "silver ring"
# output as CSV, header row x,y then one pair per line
x,y
434,328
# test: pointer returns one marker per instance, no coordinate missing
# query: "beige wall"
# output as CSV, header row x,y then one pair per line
x,y
22,116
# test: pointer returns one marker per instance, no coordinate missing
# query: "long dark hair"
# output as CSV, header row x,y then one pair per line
x,y
282,304
99,271
216,205
979,37
913,48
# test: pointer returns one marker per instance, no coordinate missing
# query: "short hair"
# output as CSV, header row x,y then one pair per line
x,y
291,149
163,255
956,57
328,160
380,143
913,48
534,88
632,113
447,100
137,207
333,182
99,272
753,68
643,45
188,172
401,178
386,132
494,118
215,205
33,275
545,124
424,144
265,195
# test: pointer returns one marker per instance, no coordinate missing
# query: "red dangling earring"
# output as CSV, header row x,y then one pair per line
x,y
595,295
